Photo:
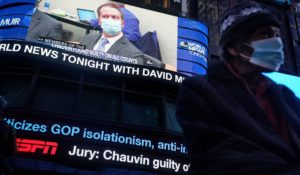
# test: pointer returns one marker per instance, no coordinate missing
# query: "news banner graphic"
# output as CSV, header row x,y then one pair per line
x,y
15,17
87,146
101,62
192,47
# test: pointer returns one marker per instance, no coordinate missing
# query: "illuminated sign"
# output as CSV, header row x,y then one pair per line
x,y
51,54
192,52
193,47
157,43
156,163
85,146
28,145
15,17
86,153
9,21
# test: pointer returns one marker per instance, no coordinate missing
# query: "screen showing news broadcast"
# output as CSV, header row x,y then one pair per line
x,y
109,31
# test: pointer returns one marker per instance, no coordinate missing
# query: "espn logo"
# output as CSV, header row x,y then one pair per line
x,y
27,145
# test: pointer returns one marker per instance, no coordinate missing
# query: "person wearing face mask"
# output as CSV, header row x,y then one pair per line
x,y
235,120
112,40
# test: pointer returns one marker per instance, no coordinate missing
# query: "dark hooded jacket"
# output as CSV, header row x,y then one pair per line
x,y
228,133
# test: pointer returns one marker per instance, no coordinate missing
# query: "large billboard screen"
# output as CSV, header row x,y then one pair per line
x,y
68,33
140,37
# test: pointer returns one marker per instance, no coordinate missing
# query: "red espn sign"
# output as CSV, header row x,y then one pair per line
x,y
27,145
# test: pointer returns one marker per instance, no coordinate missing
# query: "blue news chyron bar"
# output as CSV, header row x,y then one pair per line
x,y
15,17
192,47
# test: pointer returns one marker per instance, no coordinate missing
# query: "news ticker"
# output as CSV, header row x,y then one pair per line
x,y
84,145
102,62
91,155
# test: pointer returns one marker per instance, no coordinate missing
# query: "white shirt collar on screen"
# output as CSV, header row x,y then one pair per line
x,y
111,40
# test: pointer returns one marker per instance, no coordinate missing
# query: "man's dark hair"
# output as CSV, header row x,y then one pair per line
x,y
112,5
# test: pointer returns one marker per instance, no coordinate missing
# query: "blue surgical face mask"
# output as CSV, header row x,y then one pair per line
x,y
111,27
268,53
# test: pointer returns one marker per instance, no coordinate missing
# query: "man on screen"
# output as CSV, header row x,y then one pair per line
x,y
112,40
43,25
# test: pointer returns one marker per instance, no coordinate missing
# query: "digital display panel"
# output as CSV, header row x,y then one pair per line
x,y
15,18
192,50
156,39
86,146
290,81
55,36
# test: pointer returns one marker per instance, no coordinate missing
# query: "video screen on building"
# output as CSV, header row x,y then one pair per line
x,y
130,34
113,123
290,81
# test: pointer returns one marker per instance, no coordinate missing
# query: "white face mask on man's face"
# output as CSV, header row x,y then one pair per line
x,y
267,53
111,27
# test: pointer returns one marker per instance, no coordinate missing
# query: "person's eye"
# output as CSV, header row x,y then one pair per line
x,y
264,36
115,17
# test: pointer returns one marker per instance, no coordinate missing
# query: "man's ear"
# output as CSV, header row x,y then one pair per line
x,y
123,23
99,21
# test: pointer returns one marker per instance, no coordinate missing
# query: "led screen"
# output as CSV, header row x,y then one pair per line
x,y
15,17
292,82
160,40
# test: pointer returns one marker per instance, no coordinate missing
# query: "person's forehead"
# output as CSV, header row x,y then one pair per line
x,y
268,28
108,9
